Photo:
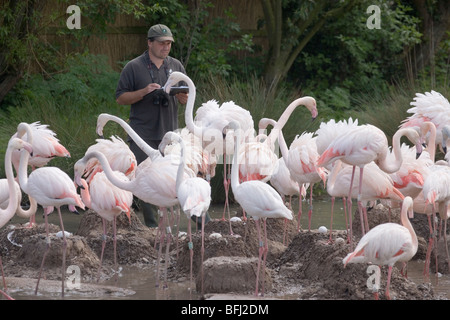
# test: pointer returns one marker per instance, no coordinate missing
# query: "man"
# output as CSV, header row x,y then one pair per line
x,y
152,114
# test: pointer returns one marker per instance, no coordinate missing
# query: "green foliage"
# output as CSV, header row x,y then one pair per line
x,y
348,55
69,102
204,45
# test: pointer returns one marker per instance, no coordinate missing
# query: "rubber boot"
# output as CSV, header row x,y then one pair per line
x,y
150,213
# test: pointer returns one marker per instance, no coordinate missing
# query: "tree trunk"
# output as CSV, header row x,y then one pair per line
x,y
435,25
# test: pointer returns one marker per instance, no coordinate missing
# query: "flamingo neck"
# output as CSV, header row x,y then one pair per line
x,y
385,164
24,156
235,167
104,118
180,171
286,114
8,213
189,112
120,183
333,176
85,194
407,224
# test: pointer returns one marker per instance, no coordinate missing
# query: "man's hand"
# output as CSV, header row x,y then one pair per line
x,y
135,96
182,97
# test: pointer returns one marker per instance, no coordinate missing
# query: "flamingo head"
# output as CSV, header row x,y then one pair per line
x,y
311,105
17,143
173,79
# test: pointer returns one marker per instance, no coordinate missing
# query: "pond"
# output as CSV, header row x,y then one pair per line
x,y
142,281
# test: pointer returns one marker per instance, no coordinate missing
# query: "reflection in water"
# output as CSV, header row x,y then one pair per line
x,y
142,281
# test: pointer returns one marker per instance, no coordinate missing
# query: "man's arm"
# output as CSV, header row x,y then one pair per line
x,y
131,97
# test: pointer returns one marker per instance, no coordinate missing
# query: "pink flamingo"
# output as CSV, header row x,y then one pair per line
x,y
50,187
436,191
387,243
45,148
326,133
108,202
362,145
281,178
14,195
209,124
430,106
302,164
259,200
194,195
119,156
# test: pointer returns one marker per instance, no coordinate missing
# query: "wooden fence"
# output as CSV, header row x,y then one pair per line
x,y
126,38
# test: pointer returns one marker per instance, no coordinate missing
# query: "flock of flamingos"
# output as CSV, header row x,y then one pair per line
x,y
180,171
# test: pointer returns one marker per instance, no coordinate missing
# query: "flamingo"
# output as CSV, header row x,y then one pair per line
x,y
50,187
387,243
281,178
14,195
436,191
302,164
108,202
209,124
154,182
259,200
429,106
362,145
45,148
194,195
326,133
119,156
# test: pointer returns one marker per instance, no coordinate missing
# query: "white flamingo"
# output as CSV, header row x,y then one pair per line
x,y
194,195
50,187
362,145
259,200
14,195
387,243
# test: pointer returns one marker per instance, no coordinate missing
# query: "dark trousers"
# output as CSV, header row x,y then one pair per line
x,y
149,210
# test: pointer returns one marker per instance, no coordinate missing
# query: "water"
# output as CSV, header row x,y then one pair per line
x,y
142,281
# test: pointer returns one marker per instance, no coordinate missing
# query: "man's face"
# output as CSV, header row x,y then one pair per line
x,y
160,49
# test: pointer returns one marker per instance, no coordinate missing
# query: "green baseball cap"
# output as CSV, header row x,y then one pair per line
x,y
160,32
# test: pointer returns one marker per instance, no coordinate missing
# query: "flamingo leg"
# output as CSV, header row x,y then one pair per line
x,y
191,251
310,207
299,215
103,248
116,267
330,239
349,203
261,250
445,242
202,250
266,249
426,271
64,252
161,241
168,240
388,282
46,212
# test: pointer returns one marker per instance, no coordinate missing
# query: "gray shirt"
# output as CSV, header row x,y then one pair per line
x,y
150,119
